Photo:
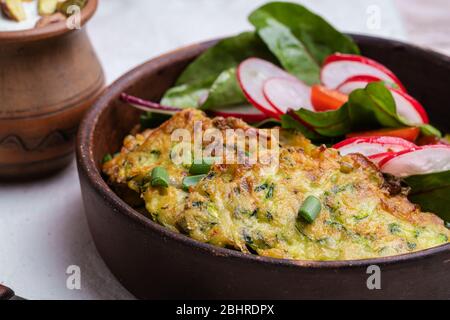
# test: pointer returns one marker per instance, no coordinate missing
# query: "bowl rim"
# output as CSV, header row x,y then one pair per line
x,y
87,165
49,31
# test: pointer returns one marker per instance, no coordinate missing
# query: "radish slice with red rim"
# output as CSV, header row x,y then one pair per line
x,y
252,74
356,82
369,146
339,67
360,82
409,108
245,112
377,158
286,94
417,161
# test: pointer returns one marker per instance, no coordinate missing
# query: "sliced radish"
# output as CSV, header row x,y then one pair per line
x,y
339,67
409,108
245,112
417,161
146,105
377,158
356,82
369,146
252,74
285,93
360,82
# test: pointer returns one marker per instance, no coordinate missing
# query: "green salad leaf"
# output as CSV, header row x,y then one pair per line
x,y
334,123
429,130
370,108
287,34
373,107
226,54
186,95
195,82
431,192
224,91
300,39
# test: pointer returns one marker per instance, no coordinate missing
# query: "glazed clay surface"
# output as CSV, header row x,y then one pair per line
x,y
46,85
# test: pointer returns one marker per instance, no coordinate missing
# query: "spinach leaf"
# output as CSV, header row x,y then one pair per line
x,y
300,39
334,123
292,54
429,130
431,192
226,54
224,91
186,95
373,107
370,108
194,83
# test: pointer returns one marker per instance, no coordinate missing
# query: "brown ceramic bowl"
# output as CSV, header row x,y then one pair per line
x,y
153,262
49,77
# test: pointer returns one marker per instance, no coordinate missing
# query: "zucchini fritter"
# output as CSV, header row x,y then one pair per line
x,y
254,208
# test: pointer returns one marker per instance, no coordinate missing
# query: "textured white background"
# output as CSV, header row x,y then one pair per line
x,y
42,224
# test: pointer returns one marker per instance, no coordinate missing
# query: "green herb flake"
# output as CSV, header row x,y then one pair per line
x,y
197,204
261,187
192,181
394,228
270,192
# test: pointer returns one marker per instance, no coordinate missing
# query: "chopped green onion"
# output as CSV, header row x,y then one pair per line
x,y
269,194
310,209
160,177
108,157
192,181
202,168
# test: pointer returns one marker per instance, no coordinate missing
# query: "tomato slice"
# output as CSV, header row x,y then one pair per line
x,y
324,99
409,133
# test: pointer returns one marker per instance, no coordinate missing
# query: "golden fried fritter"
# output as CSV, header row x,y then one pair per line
x,y
254,207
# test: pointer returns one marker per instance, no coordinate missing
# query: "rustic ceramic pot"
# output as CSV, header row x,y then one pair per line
x,y
154,262
49,77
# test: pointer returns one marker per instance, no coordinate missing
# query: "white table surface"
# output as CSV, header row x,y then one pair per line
x,y
42,225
